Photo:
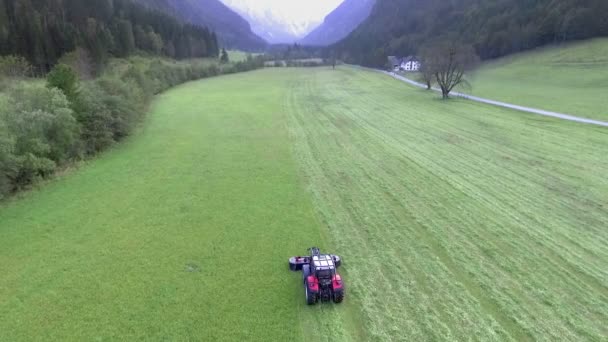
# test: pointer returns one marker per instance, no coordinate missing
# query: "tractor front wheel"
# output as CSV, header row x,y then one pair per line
x,y
305,272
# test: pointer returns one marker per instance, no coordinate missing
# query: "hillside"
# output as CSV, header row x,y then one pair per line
x,y
233,31
494,28
571,78
44,30
339,23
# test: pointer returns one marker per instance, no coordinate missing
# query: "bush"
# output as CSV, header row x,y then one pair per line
x,y
64,78
39,133
15,67
95,120
81,62
125,102
7,159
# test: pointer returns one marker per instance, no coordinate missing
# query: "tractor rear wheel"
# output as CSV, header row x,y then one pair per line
x,y
338,297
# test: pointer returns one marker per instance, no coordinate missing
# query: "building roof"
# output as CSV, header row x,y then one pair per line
x,y
393,59
409,59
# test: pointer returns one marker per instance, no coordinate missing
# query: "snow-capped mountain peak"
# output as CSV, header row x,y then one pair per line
x,y
283,21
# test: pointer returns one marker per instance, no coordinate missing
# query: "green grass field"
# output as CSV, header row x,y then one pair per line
x,y
571,79
239,56
457,221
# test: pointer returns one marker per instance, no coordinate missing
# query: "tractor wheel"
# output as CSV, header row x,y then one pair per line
x,y
311,298
338,297
305,272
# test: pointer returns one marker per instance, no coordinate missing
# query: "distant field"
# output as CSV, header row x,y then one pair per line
x,y
571,79
457,221
239,56
303,60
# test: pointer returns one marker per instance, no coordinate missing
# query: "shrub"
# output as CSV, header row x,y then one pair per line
x,y
64,78
7,159
15,67
95,120
81,62
124,101
40,133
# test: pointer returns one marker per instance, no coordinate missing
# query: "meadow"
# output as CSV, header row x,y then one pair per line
x,y
570,78
456,221
239,56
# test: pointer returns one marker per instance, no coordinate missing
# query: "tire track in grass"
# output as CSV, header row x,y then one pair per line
x,y
488,305
592,281
326,322
363,251
357,143
521,176
391,198
384,244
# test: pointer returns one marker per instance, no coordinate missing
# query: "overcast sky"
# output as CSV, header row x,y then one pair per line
x,y
294,10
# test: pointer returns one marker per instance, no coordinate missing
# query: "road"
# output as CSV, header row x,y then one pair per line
x,y
561,116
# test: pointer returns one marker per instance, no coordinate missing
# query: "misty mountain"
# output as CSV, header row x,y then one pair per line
x,y
267,24
282,22
339,23
233,31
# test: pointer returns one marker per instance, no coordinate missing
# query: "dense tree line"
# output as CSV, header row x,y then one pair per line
x,y
44,30
494,28
43,128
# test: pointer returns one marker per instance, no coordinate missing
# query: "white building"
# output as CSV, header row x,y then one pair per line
x,y
410,63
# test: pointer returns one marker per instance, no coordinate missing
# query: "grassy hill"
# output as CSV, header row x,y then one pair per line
x,y
571,78
456,220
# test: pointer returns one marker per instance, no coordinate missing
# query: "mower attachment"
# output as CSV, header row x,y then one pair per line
x,y
296,263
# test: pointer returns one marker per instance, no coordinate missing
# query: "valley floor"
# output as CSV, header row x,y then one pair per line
x,y
455,220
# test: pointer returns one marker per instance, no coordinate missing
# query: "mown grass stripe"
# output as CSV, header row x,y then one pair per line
x,y
465,192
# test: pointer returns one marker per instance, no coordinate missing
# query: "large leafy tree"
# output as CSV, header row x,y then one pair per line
x,y
447,63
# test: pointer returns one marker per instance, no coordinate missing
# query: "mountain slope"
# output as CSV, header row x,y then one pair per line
x,y
43,31
494,28
339,23
233,31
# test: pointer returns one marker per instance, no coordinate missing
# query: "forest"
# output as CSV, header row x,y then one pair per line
x,y
494,28
77,76
44,30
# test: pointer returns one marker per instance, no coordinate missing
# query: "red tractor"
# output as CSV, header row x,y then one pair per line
x,y
321,281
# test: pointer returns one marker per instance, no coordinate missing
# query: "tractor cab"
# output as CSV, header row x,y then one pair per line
x,y
323,267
